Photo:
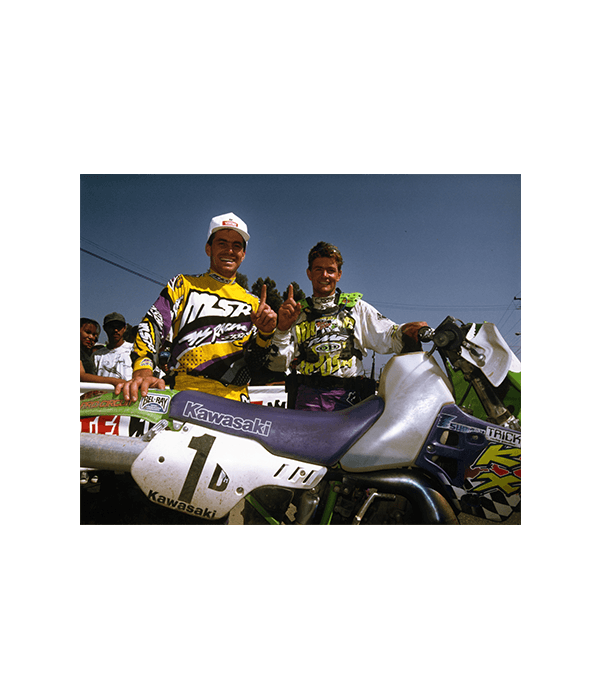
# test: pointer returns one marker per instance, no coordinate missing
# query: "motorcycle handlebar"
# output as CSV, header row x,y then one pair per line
x,y
441,338
450,336
426,334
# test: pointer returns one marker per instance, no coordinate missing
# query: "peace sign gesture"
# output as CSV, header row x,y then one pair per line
x,y
264,318
288,311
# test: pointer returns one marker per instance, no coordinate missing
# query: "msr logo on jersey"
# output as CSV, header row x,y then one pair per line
x,y
219,333
207,304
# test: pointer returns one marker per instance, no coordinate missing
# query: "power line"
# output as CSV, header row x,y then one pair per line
x,y
427,306
513,325
83,250
510,309
116,256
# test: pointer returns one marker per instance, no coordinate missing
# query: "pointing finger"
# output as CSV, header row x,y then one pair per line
x,y
291,292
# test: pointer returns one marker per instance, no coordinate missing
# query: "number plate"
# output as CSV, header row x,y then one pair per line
x,y
205,473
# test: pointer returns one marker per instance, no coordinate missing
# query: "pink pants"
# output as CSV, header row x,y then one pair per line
x,y
312,399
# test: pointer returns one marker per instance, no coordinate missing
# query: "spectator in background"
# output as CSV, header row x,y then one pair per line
x,y
89,330
114,359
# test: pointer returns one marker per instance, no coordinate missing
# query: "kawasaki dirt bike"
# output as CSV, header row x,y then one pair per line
x,y
417,452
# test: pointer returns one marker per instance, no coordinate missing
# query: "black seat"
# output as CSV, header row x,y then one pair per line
x,y
318,437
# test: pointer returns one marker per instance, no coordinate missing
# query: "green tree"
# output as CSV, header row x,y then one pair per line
x,y
242,280
274,299
298,293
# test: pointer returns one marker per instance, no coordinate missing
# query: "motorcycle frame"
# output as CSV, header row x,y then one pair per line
x,y
325,518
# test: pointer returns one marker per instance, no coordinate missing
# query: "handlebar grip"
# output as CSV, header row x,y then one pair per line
x,y
444,338
441,338
425,334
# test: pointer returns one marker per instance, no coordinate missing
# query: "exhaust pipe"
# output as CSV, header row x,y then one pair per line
x,y
432,506
109,452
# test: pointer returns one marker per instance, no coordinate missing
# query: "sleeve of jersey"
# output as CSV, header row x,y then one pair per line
x,y
376,331
153,329
283,350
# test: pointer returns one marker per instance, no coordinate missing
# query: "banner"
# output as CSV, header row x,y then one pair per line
x,y
265,395
268,395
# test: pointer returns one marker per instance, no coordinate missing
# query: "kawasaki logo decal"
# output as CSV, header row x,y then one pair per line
x,y
226,420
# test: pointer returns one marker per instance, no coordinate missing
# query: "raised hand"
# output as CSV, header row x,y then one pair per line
x,y
264,318
288,311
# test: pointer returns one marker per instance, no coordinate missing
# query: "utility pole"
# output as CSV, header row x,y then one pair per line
x,y
518,333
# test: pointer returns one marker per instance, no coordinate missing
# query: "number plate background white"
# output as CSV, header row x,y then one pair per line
x,y
233,467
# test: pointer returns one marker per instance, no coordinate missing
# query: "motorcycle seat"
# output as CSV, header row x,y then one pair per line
x,y
317,437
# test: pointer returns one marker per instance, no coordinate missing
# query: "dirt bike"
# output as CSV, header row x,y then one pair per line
x,y
415,452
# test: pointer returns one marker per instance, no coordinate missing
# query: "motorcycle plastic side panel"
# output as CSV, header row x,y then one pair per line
x,y
414,388
479,464
205,473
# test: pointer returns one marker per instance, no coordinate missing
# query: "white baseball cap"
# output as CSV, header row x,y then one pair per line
x,y
229,220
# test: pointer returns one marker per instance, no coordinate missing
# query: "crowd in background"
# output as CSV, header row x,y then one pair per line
x,y
110,362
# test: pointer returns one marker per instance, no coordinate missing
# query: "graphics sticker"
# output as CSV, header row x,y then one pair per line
x,y
498,468
448,422
506,436
155,403
227,420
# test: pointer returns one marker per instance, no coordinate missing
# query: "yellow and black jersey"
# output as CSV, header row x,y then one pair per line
x,y
214,345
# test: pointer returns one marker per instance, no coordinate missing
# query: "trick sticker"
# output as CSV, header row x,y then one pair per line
x,y
506,436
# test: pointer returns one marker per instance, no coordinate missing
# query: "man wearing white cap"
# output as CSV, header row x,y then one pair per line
x,y
218,332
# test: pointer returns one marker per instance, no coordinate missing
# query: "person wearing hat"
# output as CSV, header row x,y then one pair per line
x,y
218,332
114,359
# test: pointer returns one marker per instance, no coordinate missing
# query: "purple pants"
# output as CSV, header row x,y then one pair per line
x,y
312,399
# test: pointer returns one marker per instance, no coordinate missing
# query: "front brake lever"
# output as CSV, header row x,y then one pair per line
x,y
474,351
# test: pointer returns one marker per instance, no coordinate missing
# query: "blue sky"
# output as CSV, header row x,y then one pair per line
x,y
419,247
